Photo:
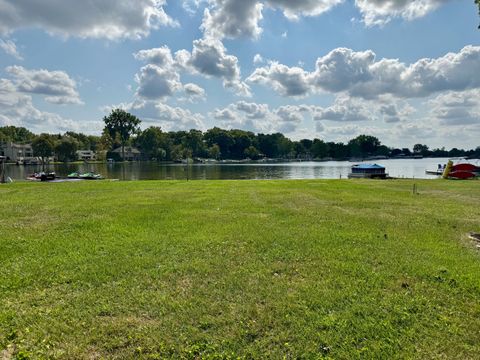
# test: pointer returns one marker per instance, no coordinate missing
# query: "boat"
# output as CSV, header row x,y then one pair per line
x,y
42,176
368,171
90,176
85,176
434,172
461,175
466,167
461,171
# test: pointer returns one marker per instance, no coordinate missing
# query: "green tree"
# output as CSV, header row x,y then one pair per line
x,y
152,141
66,149
319,149
16,134
252,153
193,140
214,152
420,149
364,145
122,124
43,147
220,137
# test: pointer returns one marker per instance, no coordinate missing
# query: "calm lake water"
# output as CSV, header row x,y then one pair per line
x,y
408,168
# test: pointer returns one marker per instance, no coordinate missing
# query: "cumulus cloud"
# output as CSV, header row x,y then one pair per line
x,y
170,118
252,110
456,108
258,59
10,48
379,12
161,56
359,74
194,92
233,18
209,57
17,109
56,86
155,82
260,118
287,81
161,76
110,19
344,109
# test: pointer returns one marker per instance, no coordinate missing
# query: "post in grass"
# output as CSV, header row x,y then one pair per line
x,y
2,169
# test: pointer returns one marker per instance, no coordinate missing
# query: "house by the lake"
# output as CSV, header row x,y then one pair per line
x,y
131,153
21,154
86,155
367,171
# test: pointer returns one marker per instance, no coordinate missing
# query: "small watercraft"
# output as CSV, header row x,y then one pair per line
x,y
461,171
90,176
42,176
434,172
85,176
466,167
462,175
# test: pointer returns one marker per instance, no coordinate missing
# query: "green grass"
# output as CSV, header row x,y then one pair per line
x,y
249,269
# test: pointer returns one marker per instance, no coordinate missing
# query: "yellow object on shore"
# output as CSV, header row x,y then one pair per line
x,y
447,170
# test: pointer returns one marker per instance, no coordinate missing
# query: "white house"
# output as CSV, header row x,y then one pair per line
x,y
131,153
86,155
17,153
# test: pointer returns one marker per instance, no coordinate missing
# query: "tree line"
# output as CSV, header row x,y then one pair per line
x,y
123,129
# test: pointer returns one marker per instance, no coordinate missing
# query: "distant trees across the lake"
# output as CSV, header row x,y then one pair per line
x,y
155,144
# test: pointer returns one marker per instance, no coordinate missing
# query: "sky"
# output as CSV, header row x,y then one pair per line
x,y
406,71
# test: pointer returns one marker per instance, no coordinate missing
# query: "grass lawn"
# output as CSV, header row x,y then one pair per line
x,y
249,269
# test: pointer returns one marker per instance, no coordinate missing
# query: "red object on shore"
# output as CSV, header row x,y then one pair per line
x,y
465,167
461,175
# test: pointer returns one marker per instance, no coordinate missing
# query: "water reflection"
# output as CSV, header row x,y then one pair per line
x,y
408,168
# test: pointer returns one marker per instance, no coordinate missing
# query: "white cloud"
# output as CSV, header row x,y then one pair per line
x,y
17,109
160,78
161,57
233,18
10,48
110,19
344,109
156,83
260,118
359,74
379,12
56,86
170,118
209,57
287,81
194,92
456,108
258,59
252,110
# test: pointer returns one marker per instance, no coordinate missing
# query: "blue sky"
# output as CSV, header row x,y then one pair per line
x,y
404,71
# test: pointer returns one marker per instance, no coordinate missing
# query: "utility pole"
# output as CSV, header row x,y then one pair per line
x,y
2,169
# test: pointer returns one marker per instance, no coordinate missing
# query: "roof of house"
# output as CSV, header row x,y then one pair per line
x,y
368,166
128,149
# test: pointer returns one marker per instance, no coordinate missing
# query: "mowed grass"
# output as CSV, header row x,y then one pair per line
x,y
240,269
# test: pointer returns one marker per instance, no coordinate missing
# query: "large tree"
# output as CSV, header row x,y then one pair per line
x,y
66,149
43,147
153,142
122,124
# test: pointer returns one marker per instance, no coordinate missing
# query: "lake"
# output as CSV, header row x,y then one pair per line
x,y
408,168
